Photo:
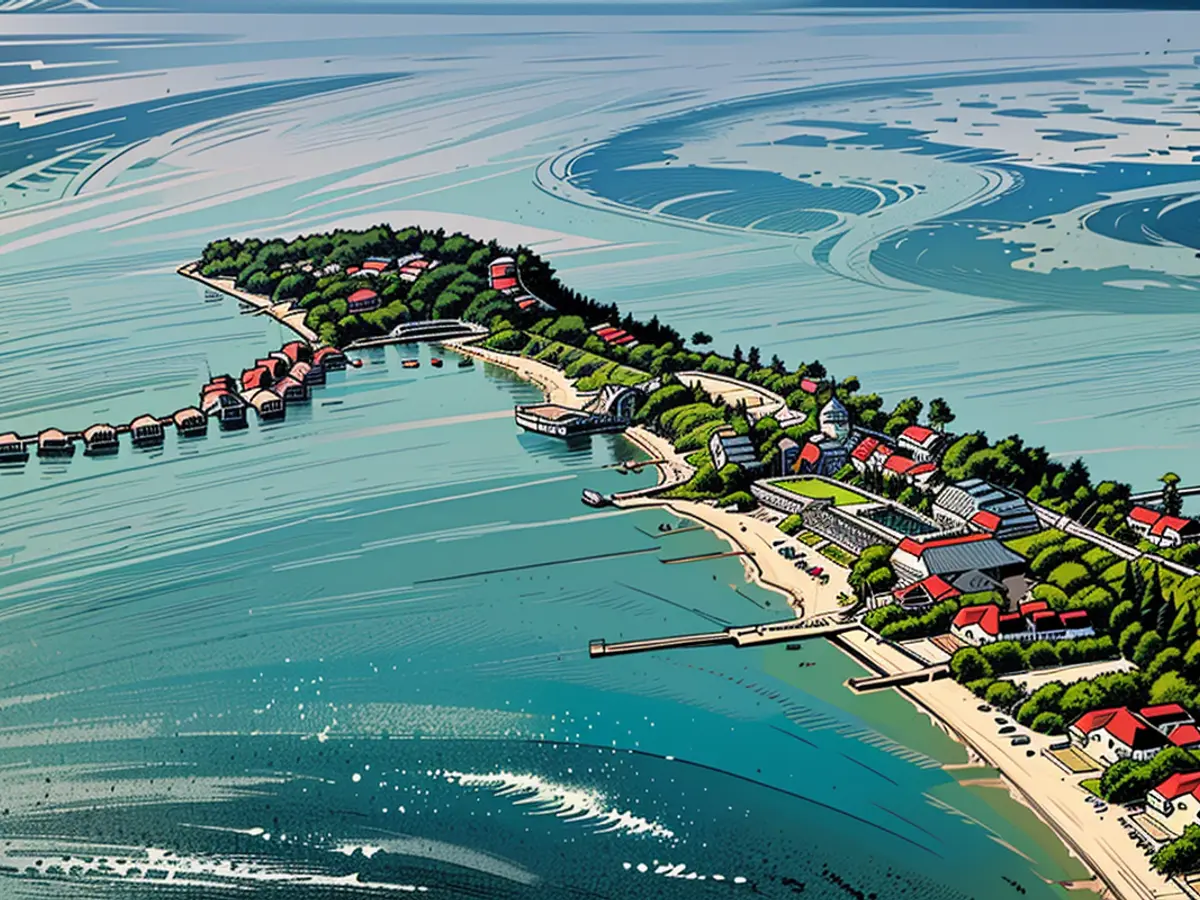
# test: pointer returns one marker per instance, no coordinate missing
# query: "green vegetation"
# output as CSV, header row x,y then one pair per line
x,y
1125,780
1181,856
819,489
838,555
872,573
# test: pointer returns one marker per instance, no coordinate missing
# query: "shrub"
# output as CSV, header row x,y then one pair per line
x,y
1040,655
1055,597
1070,576
1044,699
1048,723
1004,657
507,341
968,665
1003,695
1181,856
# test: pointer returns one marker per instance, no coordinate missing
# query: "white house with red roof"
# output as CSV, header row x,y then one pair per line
x,y
1108,735
977,625
862,454
1160,529
1175,802
1167,717
362,300
921,443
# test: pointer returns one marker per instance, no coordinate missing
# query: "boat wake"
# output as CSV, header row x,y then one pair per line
x,y
572,804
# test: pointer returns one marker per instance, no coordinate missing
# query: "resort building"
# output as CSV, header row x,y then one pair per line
x,y
728,447
362,300
951,557
53,442
221,403
921,443
1167,717
12,448
297,351
291,390
146,431
330,359
987,623
985,507
307,374
414,268
1162,530
273,364
1174,803
926,593
258,377
266,403
789,453
1108,735
607,333
100,439
375,265
502,274
827,451
190,422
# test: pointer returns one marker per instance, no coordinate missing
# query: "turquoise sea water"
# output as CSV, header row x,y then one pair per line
x,y
345,654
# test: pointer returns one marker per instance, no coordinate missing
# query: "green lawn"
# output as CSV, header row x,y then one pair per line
x,y
1092,785
838,555
821,490
809,538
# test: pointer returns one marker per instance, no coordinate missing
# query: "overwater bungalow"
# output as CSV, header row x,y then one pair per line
x,y
266,403
291,390
332,359
53,442
273,364
258,377
12,448
146,431
190,422
225,406
100,439
298,351
308,374
221,381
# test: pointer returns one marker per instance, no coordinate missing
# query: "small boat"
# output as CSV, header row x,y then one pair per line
x,y
411,363
466,363
665,526
356,362
794,646
594,498
436,362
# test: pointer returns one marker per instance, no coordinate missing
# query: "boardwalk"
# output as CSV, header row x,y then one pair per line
x,y
900,679
737,635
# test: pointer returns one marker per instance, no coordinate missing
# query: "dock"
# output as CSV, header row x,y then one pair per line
x,y
900,679
737,635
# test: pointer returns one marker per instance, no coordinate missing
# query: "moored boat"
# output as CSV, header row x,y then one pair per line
x,y
436,362
595,498
411,363
466,363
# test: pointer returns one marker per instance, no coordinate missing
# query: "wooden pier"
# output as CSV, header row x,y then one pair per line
x,y
900,679
737,635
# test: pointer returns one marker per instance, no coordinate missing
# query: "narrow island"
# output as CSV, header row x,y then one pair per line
x,y
1049,622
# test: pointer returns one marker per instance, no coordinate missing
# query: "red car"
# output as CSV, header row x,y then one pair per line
x,y
815,571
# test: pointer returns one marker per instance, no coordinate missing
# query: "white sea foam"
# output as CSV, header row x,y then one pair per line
x,y
572,804
70,862
680,870
427,848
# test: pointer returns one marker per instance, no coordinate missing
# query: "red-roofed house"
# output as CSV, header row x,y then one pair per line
x,y
926,592
808,386
897,466
860,456
1166,717
977,625
503,273
921,474
258,377
1175,802
953,556
1171,531
922,443
1029,607
1185,736
363,300
375,265
1162,530
1111,734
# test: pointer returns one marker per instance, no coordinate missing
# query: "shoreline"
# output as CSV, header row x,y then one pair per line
x,y
1100,845
1053,795
278,311
762,563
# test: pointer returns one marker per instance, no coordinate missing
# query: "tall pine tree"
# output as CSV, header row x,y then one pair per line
x,y
1183,629
1165,618
1129,584
1152,601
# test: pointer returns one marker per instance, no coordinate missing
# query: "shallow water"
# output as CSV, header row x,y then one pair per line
x,y
206,646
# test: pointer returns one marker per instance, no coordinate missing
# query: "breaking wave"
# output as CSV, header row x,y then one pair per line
x,y
572,804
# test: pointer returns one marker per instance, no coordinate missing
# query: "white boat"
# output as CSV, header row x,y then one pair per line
x,y
594,498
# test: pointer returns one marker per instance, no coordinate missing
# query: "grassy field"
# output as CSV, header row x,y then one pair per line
x,y
816,489
838,555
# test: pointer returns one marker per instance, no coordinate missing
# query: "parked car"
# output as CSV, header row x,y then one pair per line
x,y
1000,720
983,707
1020,740
816,571
1007,729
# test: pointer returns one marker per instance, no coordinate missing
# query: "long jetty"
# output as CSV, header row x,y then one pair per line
x,y
737,635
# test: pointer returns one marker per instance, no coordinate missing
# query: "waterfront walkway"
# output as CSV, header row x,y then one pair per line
x,y
737,635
